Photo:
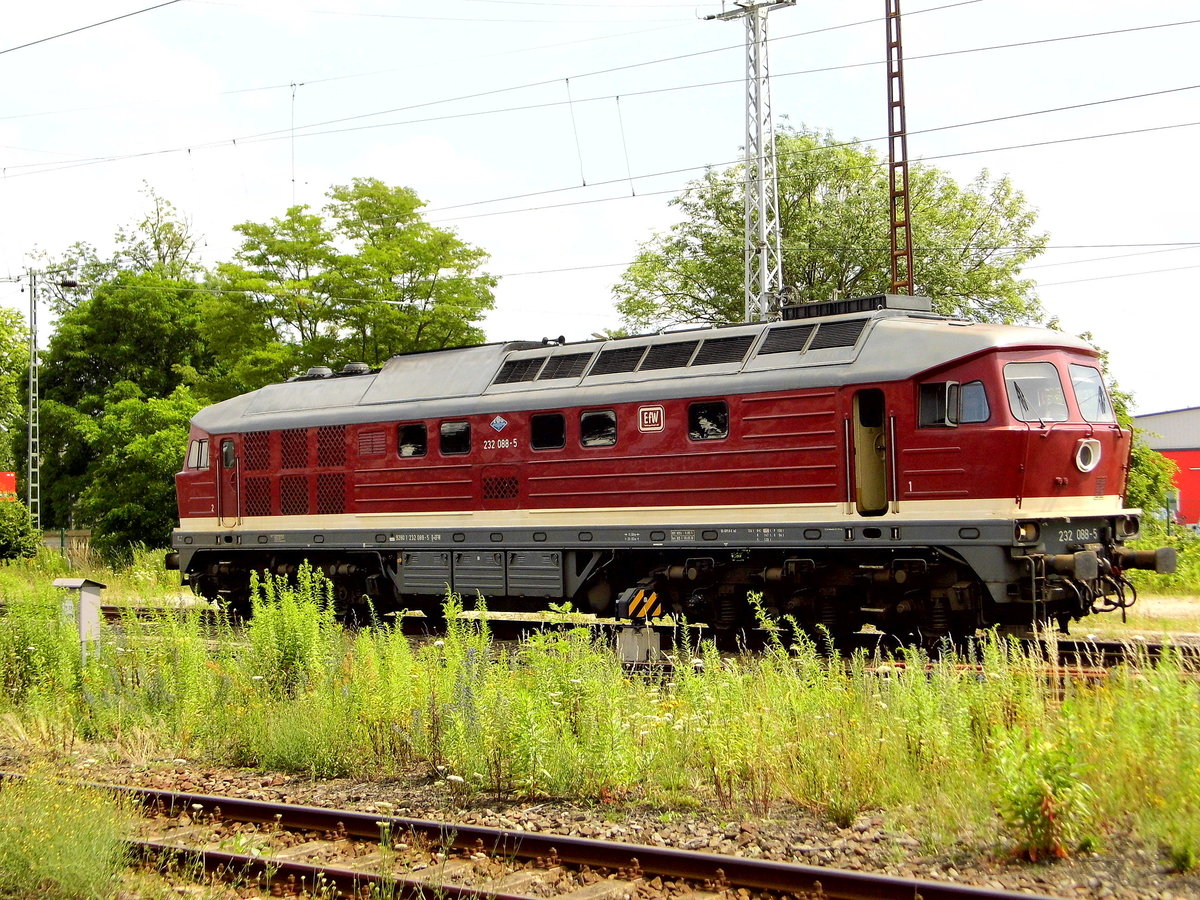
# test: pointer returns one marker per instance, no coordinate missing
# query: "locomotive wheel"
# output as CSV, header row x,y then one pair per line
x,y
351,607
236,604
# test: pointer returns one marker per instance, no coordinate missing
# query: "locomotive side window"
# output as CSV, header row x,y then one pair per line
x,y
598,428
228,454
940,403
198,455
456,438
548,431
1090,394
974,404
1035,392
414,440
708,421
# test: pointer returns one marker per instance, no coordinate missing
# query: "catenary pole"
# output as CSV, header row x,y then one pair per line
x,y
763,253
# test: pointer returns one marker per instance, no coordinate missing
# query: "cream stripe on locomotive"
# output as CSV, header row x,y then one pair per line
x,y
713,516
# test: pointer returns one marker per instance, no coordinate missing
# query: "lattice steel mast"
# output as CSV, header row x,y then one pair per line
x,y
33,489
764,257
902,252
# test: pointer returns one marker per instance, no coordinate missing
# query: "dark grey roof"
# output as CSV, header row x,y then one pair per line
x,y
880,345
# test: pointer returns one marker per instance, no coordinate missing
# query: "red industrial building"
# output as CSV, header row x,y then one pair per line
x,y
1176,435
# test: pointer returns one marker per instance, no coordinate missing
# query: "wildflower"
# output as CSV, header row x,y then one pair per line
x,y
455,779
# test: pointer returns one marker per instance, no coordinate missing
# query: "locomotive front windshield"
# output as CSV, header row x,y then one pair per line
x,y
1090,394
1035,392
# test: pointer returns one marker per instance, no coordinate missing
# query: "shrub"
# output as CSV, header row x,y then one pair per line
x,y
1044,800
18,536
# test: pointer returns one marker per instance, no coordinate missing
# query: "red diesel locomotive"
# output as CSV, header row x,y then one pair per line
x,y
861,461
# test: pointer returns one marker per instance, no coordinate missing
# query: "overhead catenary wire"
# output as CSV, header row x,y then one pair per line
x,y
630,178
305,130
783,179
1170,246
62,34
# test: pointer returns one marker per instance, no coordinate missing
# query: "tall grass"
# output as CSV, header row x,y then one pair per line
x,y
59,841
994,753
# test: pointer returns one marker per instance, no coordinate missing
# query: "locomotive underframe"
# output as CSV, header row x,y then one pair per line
x,y
942,577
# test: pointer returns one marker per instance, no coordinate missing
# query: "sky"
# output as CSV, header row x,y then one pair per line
x,y
554,133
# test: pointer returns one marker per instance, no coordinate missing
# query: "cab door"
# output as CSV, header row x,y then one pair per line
x,y
870,450
229,485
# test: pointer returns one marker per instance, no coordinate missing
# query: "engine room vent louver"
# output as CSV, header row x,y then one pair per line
x,y
293,495
372,443
787,340
519,370
669,356
293,448
619,359
568,365
723,350
257,451
331,445
257,499
501,488
837,334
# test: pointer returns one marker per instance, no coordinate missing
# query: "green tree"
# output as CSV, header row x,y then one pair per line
x,y
284,273
14,368
969,241
148,326
1151,475
407,285
18,537
161,242
371,280
129,496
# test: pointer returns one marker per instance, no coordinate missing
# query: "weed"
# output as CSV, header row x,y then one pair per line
x,y
59,841
944,750
1183,858
1044,801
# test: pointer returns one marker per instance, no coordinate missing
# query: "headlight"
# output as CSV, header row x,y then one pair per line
x,y
1026,532
1087,454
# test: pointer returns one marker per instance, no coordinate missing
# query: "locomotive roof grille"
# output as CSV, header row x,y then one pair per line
x,y
669,356
727,350
837,334
519,370
568,365
618,359
788,339
715,351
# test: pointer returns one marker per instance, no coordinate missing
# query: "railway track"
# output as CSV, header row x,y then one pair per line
x,y
304,849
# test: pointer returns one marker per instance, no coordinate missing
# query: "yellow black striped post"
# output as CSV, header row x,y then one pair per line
x,y
645,605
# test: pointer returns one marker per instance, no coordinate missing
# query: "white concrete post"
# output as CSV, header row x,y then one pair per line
x,y
81,602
